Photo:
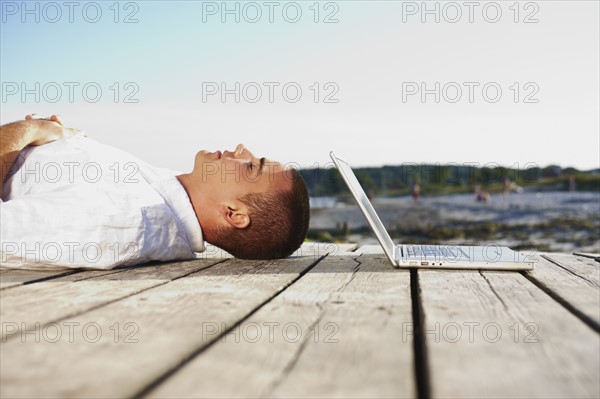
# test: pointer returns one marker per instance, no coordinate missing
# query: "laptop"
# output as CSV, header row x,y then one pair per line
x,y
487,257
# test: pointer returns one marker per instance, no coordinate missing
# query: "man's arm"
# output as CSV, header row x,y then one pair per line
x,y
31,131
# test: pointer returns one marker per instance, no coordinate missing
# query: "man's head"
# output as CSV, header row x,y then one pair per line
x,y
251,207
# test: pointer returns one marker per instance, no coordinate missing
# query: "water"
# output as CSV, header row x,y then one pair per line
x,y
524,208
323,202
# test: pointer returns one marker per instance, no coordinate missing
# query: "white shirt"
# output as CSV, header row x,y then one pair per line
x,y
79,203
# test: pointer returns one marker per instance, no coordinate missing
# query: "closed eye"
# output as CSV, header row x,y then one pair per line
x,y
252,166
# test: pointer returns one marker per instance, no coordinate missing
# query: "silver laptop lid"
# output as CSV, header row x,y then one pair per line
x,y
365,206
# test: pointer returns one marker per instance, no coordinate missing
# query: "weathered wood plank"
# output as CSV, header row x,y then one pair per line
x,y
370,311
213,252
318,249
585,268
587,255
345,249
495,334
370,249
337,332
566,286
16,277
166,321
51,301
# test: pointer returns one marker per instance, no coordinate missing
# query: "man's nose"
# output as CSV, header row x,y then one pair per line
x,y
239,150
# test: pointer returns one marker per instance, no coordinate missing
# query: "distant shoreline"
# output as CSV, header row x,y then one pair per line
x,y
444,180
546,220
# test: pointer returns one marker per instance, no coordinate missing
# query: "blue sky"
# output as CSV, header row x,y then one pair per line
x,y
360,70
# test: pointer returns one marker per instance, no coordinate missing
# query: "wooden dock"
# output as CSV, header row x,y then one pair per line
x,y
334,321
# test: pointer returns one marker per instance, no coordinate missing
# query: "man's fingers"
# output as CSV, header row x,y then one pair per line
x,y
53,118
34,116
57,119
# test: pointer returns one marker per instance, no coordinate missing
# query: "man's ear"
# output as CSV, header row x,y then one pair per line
x,y
238,218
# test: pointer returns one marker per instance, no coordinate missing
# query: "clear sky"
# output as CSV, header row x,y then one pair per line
x,y
380,82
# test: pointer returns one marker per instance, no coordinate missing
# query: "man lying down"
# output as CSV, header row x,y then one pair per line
x,y
70,201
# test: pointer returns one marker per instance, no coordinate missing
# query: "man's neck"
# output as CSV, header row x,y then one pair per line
x,y
186,181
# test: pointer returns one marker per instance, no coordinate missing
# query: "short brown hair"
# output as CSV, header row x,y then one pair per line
x,y
278,223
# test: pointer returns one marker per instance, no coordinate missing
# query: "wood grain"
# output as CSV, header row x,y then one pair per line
x,y
374,249
162,329
158,329
586,269
523,343
337,332
587,255
50,301
315,249
15,277
576,291
318,249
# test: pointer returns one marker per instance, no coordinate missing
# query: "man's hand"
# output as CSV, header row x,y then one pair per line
x,y
34,130
53,118
46,130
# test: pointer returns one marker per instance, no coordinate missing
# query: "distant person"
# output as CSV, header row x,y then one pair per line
x,y
106,208
477,191
572,186
416,193
506,188
481,196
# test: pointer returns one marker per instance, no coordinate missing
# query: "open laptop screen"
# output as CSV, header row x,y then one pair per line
x,y
365,206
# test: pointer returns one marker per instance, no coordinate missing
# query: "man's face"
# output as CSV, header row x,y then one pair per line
x,y
233,174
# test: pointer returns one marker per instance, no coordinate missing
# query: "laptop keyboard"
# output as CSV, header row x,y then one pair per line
x,y
435,252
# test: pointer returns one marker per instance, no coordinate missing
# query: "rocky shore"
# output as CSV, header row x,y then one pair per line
x,y
545,221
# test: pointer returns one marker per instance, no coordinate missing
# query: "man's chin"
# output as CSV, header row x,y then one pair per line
x,y
202,157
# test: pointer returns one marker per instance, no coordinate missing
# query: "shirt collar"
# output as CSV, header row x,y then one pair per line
x,y
177,199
